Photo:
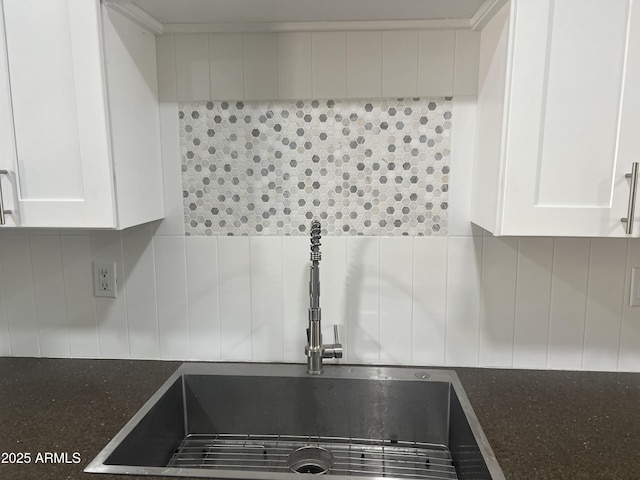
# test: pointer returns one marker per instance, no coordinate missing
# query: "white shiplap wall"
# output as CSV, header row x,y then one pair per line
x,y
303,65
463,300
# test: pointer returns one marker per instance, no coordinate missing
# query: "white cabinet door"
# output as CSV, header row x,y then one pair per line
x,y
565,118
61,168
565,143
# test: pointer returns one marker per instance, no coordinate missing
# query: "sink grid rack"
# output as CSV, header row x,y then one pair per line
x,y
352,456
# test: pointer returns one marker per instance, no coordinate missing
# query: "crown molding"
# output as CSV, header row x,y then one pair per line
x,y
275,27
485,13
136,14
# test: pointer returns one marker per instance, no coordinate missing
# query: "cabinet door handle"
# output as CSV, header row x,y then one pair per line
x,y
3,212
631,208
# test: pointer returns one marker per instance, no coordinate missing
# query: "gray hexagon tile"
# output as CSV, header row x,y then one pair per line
x,y
363,167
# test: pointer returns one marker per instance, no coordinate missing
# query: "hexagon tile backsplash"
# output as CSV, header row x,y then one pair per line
x,y
364,167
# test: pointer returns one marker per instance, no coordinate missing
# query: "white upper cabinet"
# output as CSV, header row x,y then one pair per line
x,y
558,103
79,126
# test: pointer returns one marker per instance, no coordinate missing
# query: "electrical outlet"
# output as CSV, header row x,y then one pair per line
x,y
104,279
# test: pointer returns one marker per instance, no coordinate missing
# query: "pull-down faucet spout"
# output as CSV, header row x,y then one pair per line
x,y
315,350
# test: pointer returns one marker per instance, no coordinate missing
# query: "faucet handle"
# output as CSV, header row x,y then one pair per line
x,y
335,349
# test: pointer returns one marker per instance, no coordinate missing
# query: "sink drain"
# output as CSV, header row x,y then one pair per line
x,y
309,459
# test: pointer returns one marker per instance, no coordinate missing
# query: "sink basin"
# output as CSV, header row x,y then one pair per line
x,y
275,422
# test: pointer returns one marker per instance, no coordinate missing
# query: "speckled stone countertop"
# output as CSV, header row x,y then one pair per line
x,y
541,425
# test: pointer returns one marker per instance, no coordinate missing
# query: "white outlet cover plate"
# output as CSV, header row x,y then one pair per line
x,y
111,290
634,294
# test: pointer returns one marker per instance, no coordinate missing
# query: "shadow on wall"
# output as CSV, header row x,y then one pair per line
x,y
362,311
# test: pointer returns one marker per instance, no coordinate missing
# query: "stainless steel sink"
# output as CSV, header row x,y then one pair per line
x,y
266,421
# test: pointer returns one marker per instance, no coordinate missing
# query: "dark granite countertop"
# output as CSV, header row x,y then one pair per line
x,y
541,425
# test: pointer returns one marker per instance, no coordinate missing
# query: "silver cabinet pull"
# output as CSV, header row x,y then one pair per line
x,y
631,208
3,212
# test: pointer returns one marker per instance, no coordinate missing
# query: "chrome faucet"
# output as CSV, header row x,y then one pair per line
x,y
315,350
